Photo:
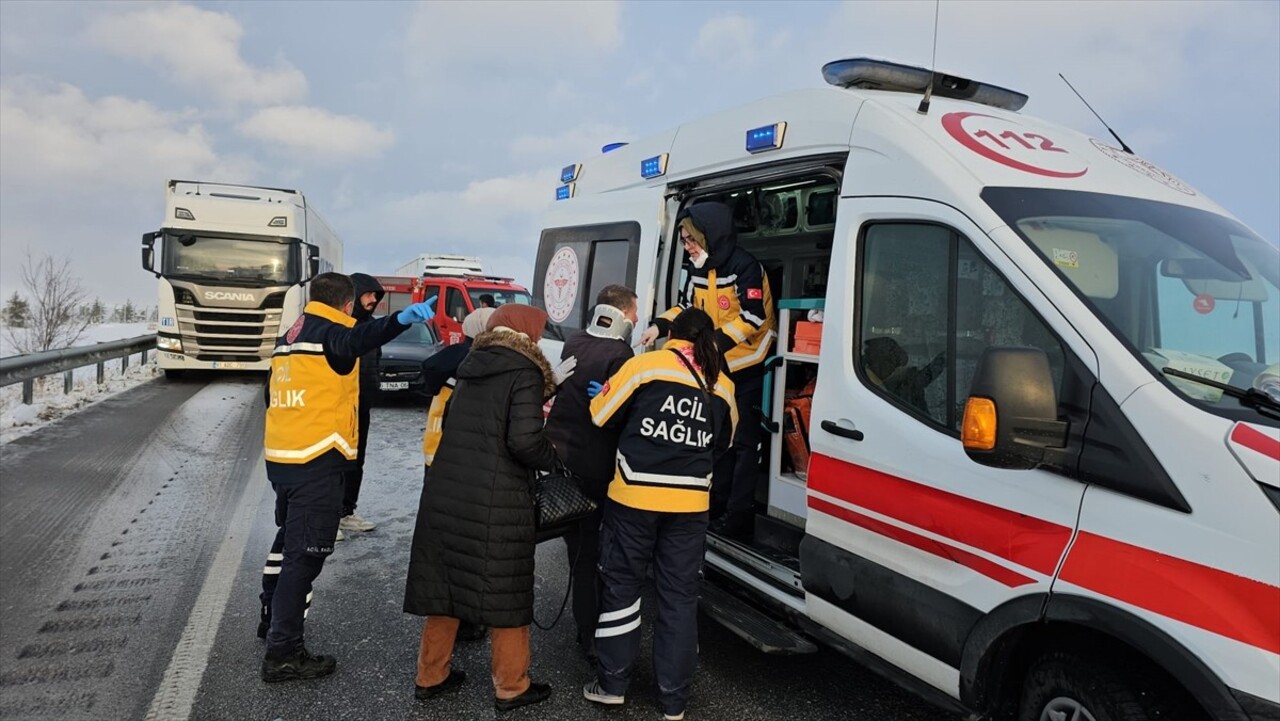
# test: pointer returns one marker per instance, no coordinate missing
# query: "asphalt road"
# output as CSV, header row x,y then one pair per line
x,y
132,537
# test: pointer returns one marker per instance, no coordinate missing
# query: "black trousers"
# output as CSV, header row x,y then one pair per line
x,y
583,543
631,540
354,476
733,484
307,520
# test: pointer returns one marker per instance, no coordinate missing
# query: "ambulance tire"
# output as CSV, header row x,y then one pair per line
x,y
1088,687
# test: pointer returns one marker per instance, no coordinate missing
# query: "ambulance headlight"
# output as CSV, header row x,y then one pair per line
x,y
170,344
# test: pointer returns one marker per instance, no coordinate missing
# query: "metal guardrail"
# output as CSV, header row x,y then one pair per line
x,y
25,369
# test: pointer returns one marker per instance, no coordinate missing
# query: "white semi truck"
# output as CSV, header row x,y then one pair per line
x,y
441,264
233,265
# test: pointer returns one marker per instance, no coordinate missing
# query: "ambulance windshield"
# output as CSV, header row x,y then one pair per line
x,y
1185,288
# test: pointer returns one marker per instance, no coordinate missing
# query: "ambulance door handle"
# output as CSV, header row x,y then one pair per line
x,y
839,430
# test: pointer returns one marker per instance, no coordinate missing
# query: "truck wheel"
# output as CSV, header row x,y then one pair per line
x,y
1067,686
174,374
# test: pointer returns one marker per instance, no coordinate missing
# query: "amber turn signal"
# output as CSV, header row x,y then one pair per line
x,y
978,431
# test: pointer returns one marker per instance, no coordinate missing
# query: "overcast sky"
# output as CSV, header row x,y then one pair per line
x,y
441,127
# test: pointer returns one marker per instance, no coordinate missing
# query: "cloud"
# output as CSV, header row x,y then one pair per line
x,y
497,218
199,49
55,134
310,133
727,40
572,144
491,37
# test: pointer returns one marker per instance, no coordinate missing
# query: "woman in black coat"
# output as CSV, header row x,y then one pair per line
x,y
472,554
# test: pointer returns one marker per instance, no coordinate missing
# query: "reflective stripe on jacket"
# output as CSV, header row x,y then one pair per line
x,y
311,408
669,437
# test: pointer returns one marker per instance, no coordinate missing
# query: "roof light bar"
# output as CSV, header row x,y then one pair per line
x,y
875,74
768,137
569,173
654,167
564,192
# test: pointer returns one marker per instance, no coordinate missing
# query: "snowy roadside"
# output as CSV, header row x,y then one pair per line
x,y
51,404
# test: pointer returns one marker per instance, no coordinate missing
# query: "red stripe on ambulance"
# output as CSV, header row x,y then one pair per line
x,y
977,563
1208,598
1229,605
1027,541
1256,440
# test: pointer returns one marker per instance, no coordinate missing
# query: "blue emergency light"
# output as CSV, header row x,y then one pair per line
x,y
765,138
612,147
654,167
564,192
570,173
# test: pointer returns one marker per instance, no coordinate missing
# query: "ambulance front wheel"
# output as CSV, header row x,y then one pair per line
x,y
1071,686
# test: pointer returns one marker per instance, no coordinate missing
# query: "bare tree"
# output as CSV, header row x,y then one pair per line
x,y
53,296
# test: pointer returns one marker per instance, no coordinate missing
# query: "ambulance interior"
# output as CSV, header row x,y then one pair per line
x,y
789,227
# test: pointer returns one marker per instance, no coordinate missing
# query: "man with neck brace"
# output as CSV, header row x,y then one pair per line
x,y
729,284
588,360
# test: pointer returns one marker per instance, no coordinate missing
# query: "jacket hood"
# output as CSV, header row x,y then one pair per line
x,y
365,284
715,221
489,357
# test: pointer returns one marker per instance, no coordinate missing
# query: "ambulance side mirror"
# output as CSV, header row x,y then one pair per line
x,y
1011,416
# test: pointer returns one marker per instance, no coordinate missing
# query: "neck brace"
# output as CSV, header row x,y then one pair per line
x,y
609,322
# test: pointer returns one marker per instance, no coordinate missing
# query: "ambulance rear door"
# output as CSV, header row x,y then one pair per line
x,y
590,242
908,542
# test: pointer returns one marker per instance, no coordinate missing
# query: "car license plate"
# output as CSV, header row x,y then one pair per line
x,y
397,386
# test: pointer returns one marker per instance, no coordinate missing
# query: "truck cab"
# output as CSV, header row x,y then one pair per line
x,y
457,296
1039,470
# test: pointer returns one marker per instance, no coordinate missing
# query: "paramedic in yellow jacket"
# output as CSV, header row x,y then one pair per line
x,y
729,284
311,438
675,412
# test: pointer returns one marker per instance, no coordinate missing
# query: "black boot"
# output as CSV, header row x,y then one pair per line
x,y
452,682
264,622
536,693
297,666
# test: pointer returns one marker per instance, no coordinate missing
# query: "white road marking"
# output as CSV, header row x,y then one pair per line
x,y
177,693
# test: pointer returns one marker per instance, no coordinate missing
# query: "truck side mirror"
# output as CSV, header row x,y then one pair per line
x,y
148,252
1011,416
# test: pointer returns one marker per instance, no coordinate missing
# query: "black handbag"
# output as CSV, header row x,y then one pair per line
x,y
559,503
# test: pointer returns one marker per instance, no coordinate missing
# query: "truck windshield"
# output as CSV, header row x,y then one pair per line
x,y
500,296
234,261
1184,288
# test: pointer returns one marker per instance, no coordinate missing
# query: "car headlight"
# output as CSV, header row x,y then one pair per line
x,y
172,344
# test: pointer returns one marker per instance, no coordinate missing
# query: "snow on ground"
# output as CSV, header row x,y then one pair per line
x,y
50,403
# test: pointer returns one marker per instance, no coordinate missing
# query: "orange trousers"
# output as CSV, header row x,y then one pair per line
x,y
510,655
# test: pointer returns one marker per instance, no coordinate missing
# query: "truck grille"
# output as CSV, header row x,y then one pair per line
x,y
228,334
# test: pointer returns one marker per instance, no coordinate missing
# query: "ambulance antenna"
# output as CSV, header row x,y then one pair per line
x,y
933,63
1123,147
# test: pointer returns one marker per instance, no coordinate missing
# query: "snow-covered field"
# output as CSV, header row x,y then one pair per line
x,y
51,403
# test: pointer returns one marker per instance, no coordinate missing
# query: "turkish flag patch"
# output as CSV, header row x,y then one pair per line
x,y
755,294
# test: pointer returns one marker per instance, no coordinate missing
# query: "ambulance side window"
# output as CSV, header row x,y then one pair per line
x,y
929,305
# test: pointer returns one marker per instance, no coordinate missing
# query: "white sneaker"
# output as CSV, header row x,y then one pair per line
x,y
673,716
340,537
355,523
593,692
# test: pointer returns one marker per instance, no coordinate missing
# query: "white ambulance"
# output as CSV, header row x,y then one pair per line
x,y
1044,471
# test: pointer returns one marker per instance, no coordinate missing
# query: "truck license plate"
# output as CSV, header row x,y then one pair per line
x,y
397,386
230,365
